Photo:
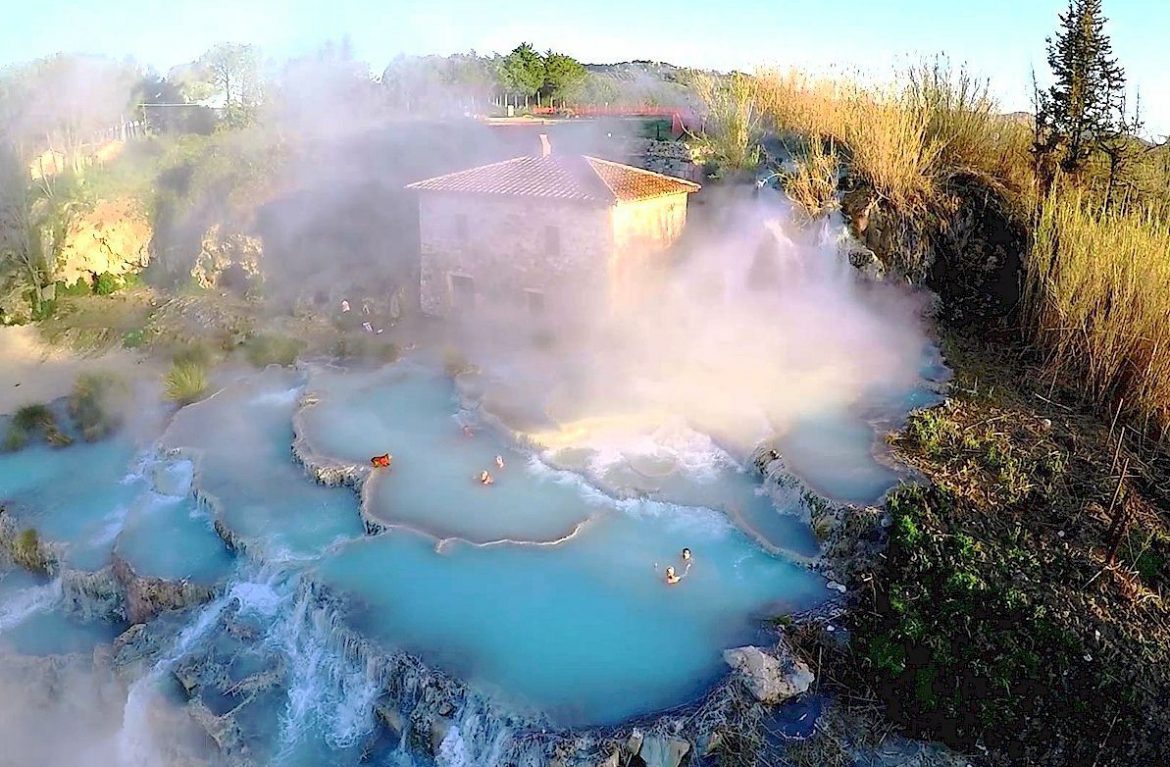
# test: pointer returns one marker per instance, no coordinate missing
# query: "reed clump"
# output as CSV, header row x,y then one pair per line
x,y
1098,297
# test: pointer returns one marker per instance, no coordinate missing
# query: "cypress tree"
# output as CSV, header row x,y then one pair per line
x,y
1087,99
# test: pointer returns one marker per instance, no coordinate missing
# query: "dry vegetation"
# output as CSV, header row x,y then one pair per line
x,y
1099,302
905,141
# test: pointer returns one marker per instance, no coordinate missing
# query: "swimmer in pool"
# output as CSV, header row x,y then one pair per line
x,y
686,555
499,461
468,431
671,577
485,478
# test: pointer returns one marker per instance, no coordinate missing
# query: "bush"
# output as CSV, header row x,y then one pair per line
x,y
82,287
133,339
31,419
26,551
186,382
731,133
106,284
264,350
91,406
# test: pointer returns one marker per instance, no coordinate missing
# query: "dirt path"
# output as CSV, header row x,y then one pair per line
x,y
31,371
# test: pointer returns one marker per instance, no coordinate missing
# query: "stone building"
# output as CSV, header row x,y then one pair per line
x,y
569,232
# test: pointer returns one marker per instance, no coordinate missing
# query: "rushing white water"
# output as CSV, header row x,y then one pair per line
x,y
19,604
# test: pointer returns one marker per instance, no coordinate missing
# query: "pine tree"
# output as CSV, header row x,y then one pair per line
x,y
1087,99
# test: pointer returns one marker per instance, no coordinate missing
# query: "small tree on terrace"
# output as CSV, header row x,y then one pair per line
x,y
1084,103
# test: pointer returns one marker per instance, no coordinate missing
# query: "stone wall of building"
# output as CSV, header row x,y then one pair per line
x,y
509,246
643,232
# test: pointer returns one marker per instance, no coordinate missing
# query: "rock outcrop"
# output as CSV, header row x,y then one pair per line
x,y
145,598
228,260
112,237
771,677
660,751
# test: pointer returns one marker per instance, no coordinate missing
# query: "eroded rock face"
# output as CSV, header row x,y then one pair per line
x,y
114,237
658,751
225,258
770,677
147,597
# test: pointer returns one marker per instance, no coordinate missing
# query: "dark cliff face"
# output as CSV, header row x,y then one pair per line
x,y
971,254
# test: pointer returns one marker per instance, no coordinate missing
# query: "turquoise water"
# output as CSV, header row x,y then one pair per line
x,y
77,495
172,537
433,484
241,441
584,630
587,631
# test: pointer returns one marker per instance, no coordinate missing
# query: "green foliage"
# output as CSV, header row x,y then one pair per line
x,y
732,131
1087,100
523,70
31,419
562,75
92,405
186,382
133,339
263,350
961,640
82,287
15,438
26,551
106,284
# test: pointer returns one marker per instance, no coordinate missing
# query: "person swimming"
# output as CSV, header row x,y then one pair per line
x,y
485,478
381,461
499,461
671,576
468,431
686,555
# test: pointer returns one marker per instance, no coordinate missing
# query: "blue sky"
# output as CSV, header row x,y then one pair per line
x,y
999,39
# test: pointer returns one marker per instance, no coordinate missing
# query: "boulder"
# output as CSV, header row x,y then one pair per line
x,y
771,678
658,751
634,742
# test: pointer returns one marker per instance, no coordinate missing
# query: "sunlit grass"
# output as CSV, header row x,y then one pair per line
x,y
1099,301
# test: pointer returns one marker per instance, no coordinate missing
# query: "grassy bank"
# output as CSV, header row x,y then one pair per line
x,y
1019,607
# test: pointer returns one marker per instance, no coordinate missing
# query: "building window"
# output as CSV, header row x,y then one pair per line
x,y
461,228
462,292
552,241
535,299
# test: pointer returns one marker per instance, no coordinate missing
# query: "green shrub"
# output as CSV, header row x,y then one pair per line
x,y
186,382
31,419
91,406
26,551
133,339
15,438
264,350
82,287
106,284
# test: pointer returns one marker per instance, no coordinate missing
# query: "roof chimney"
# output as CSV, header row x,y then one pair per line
x,y
545,147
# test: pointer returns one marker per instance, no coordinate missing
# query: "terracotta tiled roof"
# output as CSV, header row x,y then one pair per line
x,y
563,177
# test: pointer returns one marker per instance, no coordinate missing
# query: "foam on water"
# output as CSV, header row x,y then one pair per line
x,y
22,596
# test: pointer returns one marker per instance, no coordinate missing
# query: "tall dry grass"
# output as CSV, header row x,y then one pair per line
x,y
812,184
1098,296
906,139
731,129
